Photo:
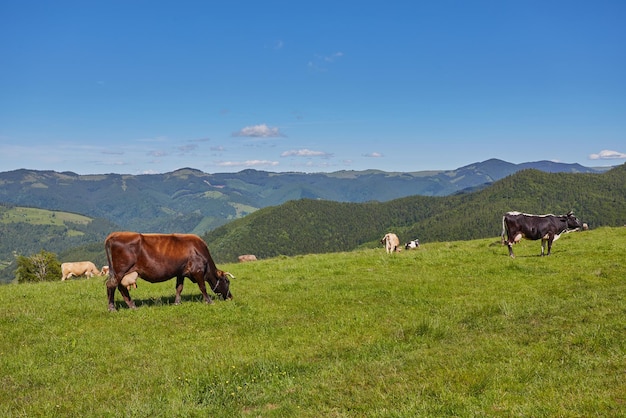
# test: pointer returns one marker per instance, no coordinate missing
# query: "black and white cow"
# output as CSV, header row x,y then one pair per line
x,y
547,228
412,244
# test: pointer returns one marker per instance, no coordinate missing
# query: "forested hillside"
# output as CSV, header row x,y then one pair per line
x,y
306,226
26,231
189,200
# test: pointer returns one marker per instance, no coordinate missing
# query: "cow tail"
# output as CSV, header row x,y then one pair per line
x,y
111,279
503,231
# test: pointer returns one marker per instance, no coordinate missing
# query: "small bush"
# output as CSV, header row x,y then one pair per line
x,y
41,267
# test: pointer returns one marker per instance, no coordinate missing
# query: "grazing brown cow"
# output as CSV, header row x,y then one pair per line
x,y
79,268
246,257
160,257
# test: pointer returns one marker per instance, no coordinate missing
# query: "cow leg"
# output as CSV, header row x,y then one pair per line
x,y
126,295
510,245
549,246
546,243
179,288
202,286
111,297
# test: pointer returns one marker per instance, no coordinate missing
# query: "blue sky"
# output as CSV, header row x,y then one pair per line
x,y
152,86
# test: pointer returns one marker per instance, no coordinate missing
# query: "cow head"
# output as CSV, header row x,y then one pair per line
x,y
573,222
222,286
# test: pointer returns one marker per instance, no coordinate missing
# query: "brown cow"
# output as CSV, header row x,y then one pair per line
x,y
247,257
158,258
79,268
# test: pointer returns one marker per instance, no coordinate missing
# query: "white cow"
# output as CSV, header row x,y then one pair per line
x,y
79,268
391,243
246,257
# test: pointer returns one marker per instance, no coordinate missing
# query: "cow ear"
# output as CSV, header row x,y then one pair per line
x,y
570,213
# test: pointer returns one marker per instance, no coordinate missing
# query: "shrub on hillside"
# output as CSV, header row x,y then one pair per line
x,y
41,267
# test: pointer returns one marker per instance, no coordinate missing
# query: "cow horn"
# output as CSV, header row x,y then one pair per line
x,y
229,274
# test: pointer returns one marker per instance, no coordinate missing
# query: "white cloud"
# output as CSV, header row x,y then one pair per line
x,y
607,155
320,61
374,155
305,153
333,57
187,148
260,131
248,163
156,153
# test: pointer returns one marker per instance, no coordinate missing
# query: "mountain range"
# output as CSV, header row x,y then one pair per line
x,y
189,200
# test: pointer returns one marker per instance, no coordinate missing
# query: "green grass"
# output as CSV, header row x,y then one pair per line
x,y
451,329
41,216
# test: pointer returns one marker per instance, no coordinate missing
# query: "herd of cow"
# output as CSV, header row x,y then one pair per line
x,y
161,257
515,226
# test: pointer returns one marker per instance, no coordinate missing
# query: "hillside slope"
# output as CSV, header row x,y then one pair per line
x,y
189,200
456,329
306,226
26,231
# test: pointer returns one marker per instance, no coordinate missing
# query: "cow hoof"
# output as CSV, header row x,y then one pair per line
x,y
112,308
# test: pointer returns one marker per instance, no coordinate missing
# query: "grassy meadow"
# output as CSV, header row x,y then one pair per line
x,y
452,329
41,216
